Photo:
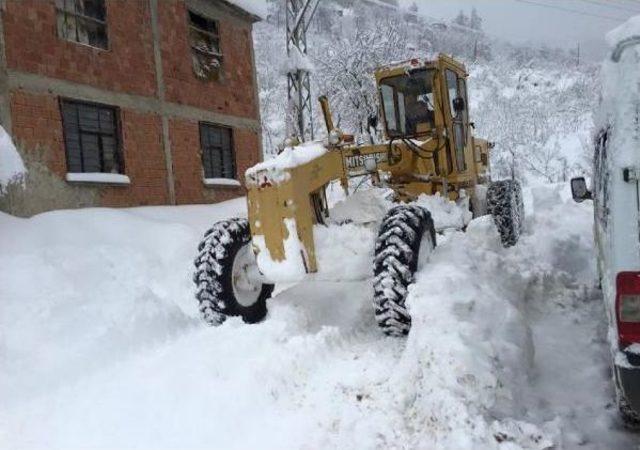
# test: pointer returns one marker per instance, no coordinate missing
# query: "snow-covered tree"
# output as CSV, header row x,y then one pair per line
x,y
475,21
532,101
461,19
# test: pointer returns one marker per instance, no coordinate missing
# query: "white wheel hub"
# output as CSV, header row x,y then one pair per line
x,y
246,278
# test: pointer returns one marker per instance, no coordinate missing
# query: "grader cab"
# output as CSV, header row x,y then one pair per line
x,y
425,146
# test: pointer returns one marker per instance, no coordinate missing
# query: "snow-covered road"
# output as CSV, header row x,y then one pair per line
x,y
101,346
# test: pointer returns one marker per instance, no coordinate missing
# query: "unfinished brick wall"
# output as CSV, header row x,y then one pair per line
x,y
33,48
234,92
143,161
185,136
37,125
38,128
32,45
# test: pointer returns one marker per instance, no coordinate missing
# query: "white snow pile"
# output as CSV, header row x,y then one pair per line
x,y
628,29
82,289
100,348
297,60
258,8
11,166
292,157
344,247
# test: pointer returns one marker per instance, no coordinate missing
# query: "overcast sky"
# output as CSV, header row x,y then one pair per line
x,y
563,23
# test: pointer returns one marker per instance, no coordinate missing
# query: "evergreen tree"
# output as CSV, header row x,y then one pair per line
x,y
475,21
461,19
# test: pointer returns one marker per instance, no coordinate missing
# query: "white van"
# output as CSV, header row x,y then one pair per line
x,y
616,196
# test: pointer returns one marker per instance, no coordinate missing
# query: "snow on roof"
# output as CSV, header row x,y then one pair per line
x,y
258,8
628,29
621,92
384,4
11,165
412,63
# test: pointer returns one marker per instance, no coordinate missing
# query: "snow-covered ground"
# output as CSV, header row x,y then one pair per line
x,y
101,347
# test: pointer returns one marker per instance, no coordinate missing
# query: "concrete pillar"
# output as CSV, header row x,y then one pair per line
x,y
166,140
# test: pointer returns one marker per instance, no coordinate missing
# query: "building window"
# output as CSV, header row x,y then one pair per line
x,y
218,158
458,90
82,21
205,47
91,137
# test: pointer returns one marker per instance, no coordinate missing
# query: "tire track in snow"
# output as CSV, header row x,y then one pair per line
x,y
569,390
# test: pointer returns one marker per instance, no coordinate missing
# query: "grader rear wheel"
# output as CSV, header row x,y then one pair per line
x,y
227,278
504,203
405,240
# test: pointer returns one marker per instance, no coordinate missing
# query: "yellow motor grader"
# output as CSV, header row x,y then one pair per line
x,y
425,146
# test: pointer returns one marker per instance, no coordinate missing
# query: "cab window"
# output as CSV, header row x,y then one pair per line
x,y
456,87
407,102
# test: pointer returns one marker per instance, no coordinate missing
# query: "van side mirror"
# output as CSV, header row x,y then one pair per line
x,y
579,190
458,104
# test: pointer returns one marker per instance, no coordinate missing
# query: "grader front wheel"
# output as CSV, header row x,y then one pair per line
x,y
504,203
405,240
227,279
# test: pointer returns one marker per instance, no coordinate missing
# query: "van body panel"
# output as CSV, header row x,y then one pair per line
x,y
616,202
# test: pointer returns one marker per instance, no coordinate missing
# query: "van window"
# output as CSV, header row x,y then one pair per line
x,y
601,178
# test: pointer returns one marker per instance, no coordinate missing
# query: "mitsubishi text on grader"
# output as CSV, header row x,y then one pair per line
x,y
426,146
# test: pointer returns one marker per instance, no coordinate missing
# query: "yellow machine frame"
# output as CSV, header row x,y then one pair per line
x,y
298,193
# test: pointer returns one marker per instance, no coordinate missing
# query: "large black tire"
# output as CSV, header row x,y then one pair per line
x,y
406,235
504,203
214,275
630,418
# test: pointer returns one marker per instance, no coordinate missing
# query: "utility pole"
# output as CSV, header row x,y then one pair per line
x,y
578,55
299,111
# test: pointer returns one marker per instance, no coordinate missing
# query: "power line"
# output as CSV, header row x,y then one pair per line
x,y
611,5
574,11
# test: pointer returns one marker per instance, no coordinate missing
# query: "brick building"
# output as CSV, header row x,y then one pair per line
x,y
126,103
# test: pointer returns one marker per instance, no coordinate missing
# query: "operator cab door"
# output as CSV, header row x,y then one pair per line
x,y
459,113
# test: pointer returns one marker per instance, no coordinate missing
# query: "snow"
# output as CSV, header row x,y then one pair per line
x,y
98,177
221,182
292,157
628,29
297,60
344,246
258,8
101,347
292,267
11,166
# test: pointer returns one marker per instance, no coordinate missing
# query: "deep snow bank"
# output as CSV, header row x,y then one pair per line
x,y
100,348
11,166
81,289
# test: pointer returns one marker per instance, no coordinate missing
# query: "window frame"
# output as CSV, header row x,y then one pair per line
x,y
202,126
117,134
78,16
397,97
194,50
459,121
601,176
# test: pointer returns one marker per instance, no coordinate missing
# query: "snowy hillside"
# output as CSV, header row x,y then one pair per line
x,y
535,103
100,347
